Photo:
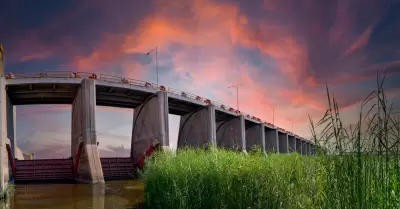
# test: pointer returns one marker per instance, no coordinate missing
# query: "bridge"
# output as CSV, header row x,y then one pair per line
x,y
203,123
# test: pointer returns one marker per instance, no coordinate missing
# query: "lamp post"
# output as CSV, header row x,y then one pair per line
x,y
148,53
237,94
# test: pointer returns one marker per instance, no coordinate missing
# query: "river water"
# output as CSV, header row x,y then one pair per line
x,y
112,195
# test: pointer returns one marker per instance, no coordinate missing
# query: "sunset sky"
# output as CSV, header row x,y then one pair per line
x,y
280,52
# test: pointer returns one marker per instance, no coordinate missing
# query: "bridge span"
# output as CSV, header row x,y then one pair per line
x,y
203,123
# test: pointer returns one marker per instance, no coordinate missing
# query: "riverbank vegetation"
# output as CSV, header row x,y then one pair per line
x,y
358,167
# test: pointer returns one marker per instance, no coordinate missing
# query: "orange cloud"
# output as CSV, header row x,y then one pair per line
x,y
361,41
208,32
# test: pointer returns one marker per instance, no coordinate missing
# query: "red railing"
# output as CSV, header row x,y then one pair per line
x,y
76,163
116,79
11,159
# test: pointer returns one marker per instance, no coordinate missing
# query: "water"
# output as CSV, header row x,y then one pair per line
x,y
112,195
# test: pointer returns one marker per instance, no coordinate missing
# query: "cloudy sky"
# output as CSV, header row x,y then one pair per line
x,y
280,52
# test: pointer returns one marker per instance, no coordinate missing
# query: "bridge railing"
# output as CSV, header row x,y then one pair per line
x,y
117,79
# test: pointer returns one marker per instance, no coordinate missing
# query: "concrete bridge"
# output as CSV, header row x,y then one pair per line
x,y
203,123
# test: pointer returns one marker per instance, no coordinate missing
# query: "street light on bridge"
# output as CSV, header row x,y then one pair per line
x,y
148,53
237,94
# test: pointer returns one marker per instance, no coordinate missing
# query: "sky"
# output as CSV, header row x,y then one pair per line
x,y
280,53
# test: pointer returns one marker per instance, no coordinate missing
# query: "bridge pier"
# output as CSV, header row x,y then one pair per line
x,y
291,143
255,136
83,129
197,129
298,145
304,146
231,133
272,140
4,123
150,121
283,142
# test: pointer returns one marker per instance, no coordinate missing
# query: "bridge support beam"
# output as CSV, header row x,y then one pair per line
x,y
255,136
283,142
291,143
272,140
197,129
84,130
231,133
150,121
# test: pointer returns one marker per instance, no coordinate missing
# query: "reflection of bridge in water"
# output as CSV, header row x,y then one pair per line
x,y
203,122
113,194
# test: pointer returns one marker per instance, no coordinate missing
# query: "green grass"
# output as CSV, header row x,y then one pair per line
x,y
355,168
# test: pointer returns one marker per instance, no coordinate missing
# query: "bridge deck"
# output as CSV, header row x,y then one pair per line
x,y
58,87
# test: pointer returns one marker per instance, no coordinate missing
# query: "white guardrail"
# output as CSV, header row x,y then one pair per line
x,y
116,79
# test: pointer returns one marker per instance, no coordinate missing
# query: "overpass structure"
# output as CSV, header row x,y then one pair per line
x,y
203,123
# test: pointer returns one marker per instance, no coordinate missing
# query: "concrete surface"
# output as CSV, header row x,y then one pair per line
x,y
283,142
84,130
298,145
255,136
291,143
197,129
231,133
272,140
4,173
150,121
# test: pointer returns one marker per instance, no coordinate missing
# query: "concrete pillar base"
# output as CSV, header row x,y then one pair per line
x,y
84,130
283,142
150,122
231,133
255,136
272,140
197,129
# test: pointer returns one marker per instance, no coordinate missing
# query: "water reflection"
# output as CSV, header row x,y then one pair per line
x,y
115,194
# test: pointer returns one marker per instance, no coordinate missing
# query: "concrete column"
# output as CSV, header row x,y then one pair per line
x,y
283,142
197,129
272,140
3,135
12,126
292,143
150,121
84,130
7,125
305,147
298,145
255,136
231,133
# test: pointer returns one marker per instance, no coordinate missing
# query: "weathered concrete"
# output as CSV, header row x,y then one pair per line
x,y
283,142
255,136
298,145
271,140
231,133
19,154
4,163
305,147
12,126
292,143
197,129
83,129
150,121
